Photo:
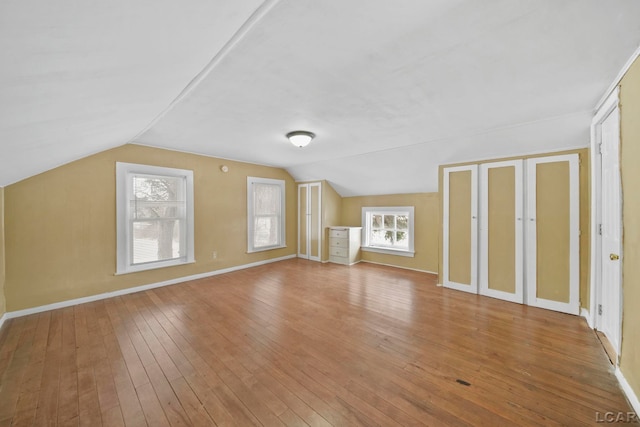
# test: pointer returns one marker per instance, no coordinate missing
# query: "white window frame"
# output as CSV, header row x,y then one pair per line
x,y
367,211
124,188
282,242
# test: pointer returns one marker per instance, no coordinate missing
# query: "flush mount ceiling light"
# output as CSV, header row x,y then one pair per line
x,y
300,138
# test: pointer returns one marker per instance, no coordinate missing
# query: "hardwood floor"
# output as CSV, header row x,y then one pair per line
x,y
302,343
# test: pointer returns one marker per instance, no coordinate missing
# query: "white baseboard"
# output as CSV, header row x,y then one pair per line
x,y
2,319
398,266
72,302
628,391
585,313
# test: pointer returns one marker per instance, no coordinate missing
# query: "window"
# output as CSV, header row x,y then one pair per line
x,y
388,230
154,217
265,214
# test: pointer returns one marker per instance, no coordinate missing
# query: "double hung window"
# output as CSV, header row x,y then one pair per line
x,y
266,219
154,217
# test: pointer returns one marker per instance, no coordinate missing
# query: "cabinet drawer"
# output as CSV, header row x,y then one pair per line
x,y
341,243
339,233
339,252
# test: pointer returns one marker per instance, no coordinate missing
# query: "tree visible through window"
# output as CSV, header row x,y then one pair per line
x,y
155,216
158,218
388,228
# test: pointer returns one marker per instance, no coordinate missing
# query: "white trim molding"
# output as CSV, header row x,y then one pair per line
x,y
614,85
98,297
628,391
585,313
399,266
2,320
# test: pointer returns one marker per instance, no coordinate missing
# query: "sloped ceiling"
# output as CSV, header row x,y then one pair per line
x,y
392,89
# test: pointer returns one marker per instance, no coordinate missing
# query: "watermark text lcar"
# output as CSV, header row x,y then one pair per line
x,y
616,417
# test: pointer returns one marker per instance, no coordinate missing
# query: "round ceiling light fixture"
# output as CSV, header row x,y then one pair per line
x,y
300,138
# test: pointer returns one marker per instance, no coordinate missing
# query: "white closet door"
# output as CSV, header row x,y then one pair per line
x,y
609,319
310,221
552,233
501,230
460,228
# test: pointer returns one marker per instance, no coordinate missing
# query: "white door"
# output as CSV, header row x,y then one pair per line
x,y
553,233
460,228
309,221
501,230
609,312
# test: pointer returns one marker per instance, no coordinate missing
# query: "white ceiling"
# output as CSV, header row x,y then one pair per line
x,y
392,89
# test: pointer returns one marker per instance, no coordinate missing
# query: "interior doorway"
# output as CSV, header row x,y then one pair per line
x,y
606,301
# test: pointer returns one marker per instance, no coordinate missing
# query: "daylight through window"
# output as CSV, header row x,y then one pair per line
x,y
388,229
155,217
265,205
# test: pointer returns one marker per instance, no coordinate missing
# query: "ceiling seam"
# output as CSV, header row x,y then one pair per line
x,y
244,29
446,138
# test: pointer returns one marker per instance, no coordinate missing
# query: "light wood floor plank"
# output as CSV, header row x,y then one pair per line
x,y
299,343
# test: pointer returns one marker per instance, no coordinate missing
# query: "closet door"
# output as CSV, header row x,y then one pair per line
x,y
552,233
310,221
303,227
501,230
460,228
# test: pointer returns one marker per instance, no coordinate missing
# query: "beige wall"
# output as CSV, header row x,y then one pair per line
x,y
2,267
331,214
426,227
629,157
61,225
584,214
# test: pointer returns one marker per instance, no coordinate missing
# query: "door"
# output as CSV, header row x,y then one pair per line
x,y
460,228
501,230
309,221
552,233
609,310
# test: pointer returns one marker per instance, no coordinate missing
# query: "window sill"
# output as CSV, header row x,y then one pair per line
x,y
154,266
389,251
252,251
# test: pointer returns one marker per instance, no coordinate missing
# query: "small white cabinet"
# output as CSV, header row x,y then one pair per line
x,y
344,244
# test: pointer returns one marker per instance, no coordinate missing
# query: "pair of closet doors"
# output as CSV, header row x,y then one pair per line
x,y
310,221
511,231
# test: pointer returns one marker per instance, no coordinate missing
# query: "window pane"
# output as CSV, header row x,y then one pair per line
x,y
265,232
403,222
156,241
157,197
377,238
390,237
402,239
389,221
267,199
377,221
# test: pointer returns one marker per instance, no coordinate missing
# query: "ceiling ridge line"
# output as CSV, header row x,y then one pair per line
x,y
432,141
244,29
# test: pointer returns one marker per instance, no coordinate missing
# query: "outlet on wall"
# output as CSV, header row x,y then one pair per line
x,y
215,255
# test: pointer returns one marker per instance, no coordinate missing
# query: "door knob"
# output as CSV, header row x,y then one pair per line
x,y
614,257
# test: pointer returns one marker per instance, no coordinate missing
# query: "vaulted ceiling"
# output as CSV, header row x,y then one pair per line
x,y
391,89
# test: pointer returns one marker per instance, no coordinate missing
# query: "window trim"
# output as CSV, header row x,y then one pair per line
x,y
370,210
124,174
250,208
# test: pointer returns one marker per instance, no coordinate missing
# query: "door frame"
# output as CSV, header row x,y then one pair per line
x,y
484,289
573,306
608,106
309,222
473,286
